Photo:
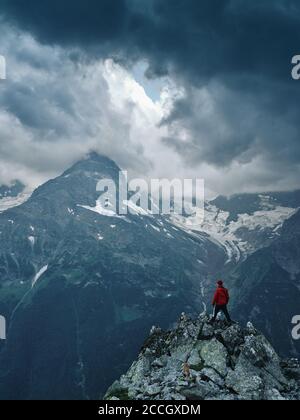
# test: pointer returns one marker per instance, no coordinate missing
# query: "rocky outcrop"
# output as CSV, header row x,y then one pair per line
x,y
199,361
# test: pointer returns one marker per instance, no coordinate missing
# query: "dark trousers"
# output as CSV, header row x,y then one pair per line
x,y
221,308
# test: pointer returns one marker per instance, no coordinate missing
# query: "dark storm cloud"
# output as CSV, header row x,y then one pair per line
x,y
201,38
233,58
69,21
225,125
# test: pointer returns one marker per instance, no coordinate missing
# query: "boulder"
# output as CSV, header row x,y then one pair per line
x,y
214,355
232,338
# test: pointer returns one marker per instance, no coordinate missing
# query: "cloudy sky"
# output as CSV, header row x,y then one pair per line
x,y
167,88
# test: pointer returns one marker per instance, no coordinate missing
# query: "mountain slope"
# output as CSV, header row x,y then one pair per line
x,y
246,227
267,288
80,288
242,224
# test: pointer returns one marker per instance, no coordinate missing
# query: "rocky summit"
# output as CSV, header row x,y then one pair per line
x,y
200,361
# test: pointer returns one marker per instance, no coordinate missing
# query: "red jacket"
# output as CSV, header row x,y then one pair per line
x,y
221,296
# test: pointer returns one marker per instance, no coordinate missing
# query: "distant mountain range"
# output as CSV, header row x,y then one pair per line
x,y
81,288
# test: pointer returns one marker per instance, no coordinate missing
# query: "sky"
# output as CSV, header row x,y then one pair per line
x,y
166,88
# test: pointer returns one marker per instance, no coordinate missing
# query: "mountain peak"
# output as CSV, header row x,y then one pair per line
x,y
77,185
95,163
198,361
93,155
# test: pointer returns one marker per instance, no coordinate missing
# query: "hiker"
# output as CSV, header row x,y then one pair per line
x,y
220,302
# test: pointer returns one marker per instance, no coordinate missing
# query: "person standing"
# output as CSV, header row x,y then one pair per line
x,y
220,302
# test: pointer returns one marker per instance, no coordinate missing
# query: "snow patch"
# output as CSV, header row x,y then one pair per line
x,y
31,240
39,274
134,209
230,236
103,211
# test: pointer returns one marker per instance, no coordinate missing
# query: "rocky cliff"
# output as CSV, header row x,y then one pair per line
x,y
199,361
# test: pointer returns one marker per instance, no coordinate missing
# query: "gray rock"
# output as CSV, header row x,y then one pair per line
x,y
117,392
273,395
177,397
140,369
182,352
245,380
224,397
213,376
206,332
250,388
159,363
214,355
232,338
153,390
198,392
251,330
195,361
291,369
258,351
155,330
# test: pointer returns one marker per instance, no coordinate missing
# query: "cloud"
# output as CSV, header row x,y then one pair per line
x,y
196,39
235,119
54,110
220,126
69,22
